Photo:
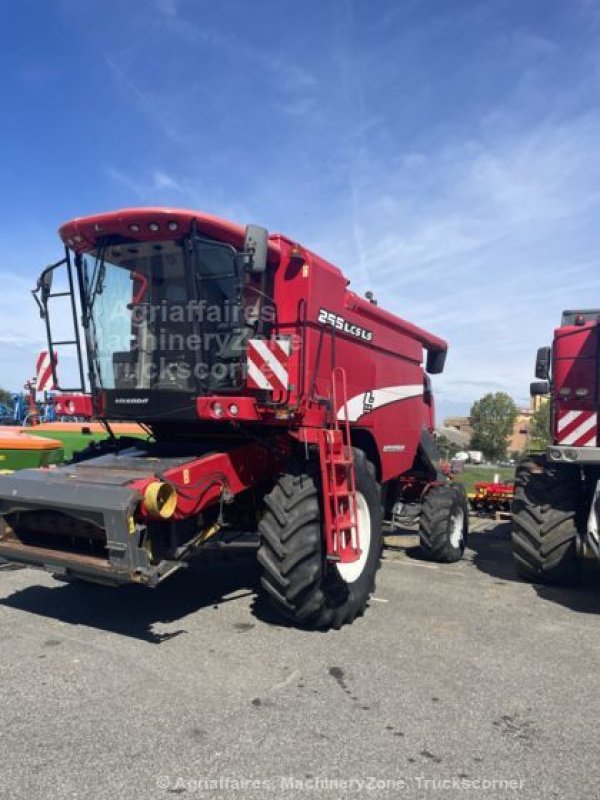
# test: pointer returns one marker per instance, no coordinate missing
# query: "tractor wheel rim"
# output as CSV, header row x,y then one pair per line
x,y
457,524
351,571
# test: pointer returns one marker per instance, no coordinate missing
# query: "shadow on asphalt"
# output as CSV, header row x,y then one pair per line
x,y
134,610
492,555
206,584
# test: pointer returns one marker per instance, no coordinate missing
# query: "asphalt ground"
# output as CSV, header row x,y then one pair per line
x,y
459,681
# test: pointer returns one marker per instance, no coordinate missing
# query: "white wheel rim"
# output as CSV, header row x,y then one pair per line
x,y
457,524
352,570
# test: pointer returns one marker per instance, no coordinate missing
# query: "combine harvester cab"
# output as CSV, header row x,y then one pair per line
x,y
285,413
556,510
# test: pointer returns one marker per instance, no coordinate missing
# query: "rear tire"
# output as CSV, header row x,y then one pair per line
x,y
302,585
444,523
544,522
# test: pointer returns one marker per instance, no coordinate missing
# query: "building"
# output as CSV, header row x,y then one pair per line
x,y
456,437
519,440
461,424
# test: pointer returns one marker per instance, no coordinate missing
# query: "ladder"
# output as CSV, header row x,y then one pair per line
x,y
43,294
338,479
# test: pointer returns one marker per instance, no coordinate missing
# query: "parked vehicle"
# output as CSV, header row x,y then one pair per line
x,y
287,415
556,510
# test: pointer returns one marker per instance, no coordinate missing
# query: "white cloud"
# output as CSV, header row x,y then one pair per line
x,y
169,8
162,180
149,187
147,101
503,237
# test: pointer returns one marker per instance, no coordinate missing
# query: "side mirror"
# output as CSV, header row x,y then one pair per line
x,y
542,363
256,247
436,359
46,282
42,290
538,388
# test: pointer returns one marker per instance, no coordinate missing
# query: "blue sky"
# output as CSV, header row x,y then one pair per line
x,y
444,154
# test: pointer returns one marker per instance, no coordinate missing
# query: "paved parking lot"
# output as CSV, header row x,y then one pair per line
x,y
459,682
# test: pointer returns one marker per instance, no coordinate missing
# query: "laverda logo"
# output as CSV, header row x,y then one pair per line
x,y
340,324
138,401
368,402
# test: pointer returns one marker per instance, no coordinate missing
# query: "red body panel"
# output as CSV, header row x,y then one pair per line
x,y
202,482
73,405
575,384
387,355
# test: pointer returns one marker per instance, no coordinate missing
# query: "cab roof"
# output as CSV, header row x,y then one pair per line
x,y
153,224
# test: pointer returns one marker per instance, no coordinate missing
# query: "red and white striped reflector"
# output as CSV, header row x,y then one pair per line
x,y
577,428
43,368
268,363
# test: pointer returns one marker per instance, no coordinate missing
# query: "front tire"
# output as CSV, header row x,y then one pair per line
x,y
302,585
544,523
444,521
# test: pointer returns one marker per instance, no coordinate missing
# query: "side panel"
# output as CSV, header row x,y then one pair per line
x,y
383,365
575,385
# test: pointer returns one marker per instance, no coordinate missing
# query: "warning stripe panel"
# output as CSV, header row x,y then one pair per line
x,y
575,421
258,366
44,376
566,418
577,428
256,379
268,363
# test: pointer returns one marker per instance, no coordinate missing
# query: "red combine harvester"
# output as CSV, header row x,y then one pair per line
x,y
556,509
285,413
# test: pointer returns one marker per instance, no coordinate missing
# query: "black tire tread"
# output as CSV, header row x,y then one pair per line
x,y
295,575
545,521
290,544
436,509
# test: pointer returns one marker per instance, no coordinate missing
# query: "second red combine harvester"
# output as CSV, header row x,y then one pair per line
x,y
556,508
284,413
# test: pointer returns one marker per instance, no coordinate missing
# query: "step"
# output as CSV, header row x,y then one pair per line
x,y
344,522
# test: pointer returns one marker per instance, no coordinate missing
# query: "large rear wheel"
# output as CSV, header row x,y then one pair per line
x,y
302,585
544,522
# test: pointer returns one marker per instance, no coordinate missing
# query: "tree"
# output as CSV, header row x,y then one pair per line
x,y
446,447
493,419
540,426
5,397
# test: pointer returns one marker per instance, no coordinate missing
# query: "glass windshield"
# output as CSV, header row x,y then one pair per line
x,y
166,319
